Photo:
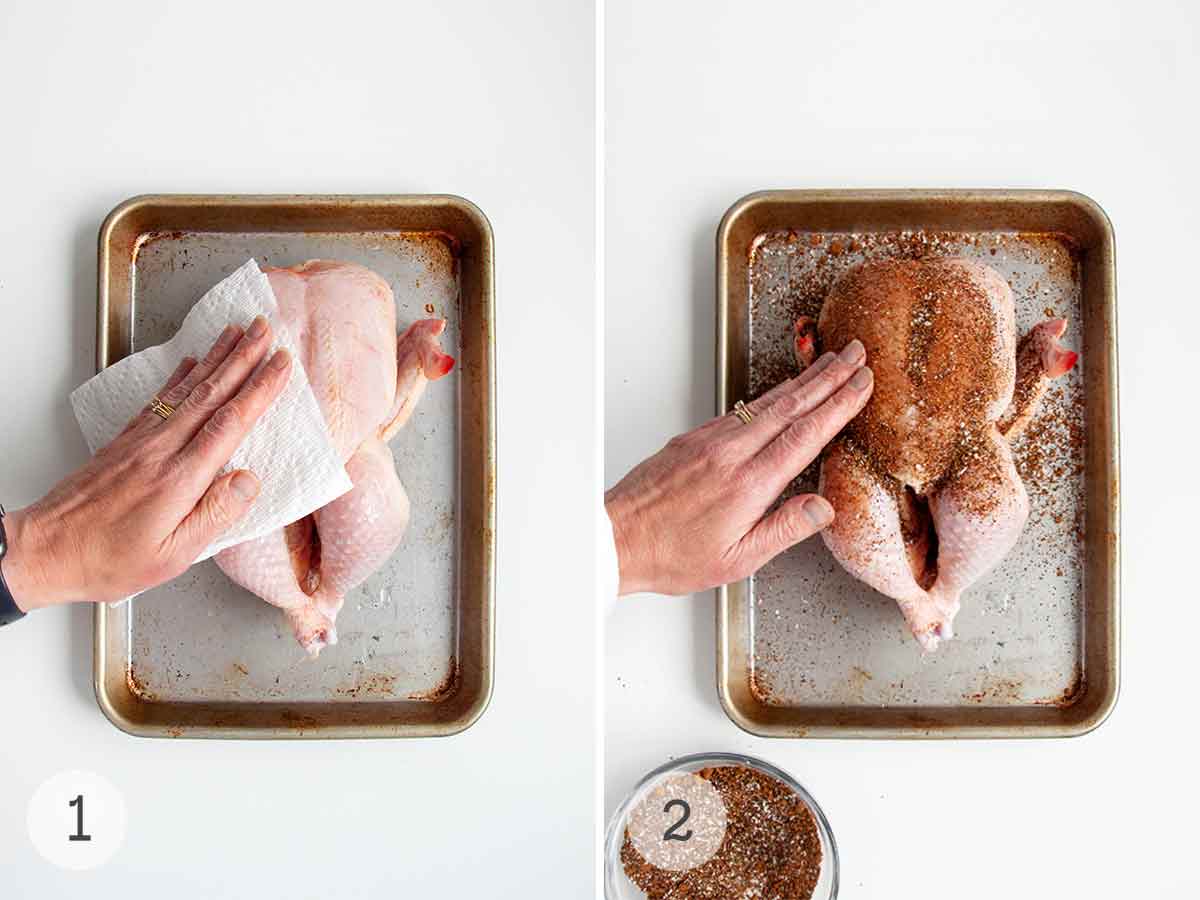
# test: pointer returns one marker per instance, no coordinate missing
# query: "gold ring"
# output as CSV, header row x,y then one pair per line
x,y
161,409
742,411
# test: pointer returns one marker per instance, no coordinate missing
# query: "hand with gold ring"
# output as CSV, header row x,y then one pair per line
x,y
142,510
161,409
695,515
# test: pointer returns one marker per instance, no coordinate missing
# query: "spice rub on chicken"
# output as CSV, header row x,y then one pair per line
x,y
926,495
367,382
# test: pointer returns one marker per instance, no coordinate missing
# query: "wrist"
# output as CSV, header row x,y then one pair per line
x,y
24,565
629,580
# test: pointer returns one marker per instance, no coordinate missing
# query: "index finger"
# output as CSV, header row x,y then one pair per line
x,y
216,442
764,401
802,441
178,390
799,399
729,423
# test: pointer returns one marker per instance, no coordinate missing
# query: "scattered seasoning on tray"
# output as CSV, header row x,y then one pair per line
x,y
1050,452
771,849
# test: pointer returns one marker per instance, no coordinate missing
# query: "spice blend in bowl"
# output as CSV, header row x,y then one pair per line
x,y
776,846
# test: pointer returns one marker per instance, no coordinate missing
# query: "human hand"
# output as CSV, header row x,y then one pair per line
x,y
694,515
149,503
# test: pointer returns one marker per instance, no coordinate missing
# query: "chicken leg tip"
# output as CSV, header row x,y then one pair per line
x,y
804,341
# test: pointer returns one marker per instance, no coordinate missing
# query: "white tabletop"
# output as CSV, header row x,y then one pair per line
x,y
708,105
103,101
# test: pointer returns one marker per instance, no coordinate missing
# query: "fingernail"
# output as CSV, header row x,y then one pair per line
x,y
818,511
280,360
245,485
227,334
257,328
862,378
852,352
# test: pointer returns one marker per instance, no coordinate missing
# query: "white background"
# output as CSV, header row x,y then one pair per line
x,y
104,100
710,101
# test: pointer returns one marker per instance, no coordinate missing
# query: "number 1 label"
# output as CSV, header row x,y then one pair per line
x,y
78,835
76,820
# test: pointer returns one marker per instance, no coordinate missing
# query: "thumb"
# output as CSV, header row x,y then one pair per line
x,y
225,502
797,518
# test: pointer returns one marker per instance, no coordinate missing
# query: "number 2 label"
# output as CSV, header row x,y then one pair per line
x,y
670,833
678,823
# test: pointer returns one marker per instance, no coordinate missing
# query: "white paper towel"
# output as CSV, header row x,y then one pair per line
x,y
289,449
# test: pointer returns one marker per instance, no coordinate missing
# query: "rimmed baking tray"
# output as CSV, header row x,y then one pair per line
x,y
804,650
201,657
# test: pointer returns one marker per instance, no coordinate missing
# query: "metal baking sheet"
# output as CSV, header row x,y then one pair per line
x,y
807,650
200,656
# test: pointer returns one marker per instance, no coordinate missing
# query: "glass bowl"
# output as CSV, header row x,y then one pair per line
x,y
617,885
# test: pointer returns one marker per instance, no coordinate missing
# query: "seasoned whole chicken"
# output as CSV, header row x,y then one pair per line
x,y
926,495
367,383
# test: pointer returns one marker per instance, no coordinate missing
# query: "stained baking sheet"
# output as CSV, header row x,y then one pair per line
x,y
202,655
823,652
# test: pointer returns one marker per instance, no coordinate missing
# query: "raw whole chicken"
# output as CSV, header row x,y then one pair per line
x,y
367,383
926,495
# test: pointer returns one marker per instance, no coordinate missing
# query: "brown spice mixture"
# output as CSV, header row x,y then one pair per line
x,y
931,333
787,280
976,471
771,849
791,272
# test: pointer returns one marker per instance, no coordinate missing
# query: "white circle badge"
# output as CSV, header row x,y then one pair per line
x,y
76,820
679,824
